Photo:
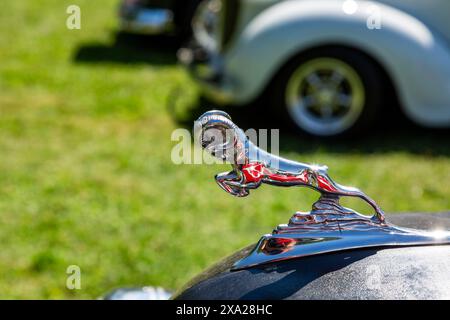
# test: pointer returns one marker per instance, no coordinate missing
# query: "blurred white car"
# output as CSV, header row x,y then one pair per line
x,y
327,65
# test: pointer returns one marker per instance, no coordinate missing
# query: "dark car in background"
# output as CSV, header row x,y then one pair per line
x,y
158,17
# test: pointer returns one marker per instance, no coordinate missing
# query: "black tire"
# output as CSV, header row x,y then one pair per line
x,y
370,75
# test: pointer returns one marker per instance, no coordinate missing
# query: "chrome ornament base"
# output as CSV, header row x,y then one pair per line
x,y
328,227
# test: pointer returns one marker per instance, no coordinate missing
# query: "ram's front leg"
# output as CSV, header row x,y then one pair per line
x,y
231,183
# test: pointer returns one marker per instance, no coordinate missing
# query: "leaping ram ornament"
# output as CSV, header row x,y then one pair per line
x,y
252,166
328,227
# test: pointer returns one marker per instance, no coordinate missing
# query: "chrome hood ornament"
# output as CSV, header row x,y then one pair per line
x,y
328,227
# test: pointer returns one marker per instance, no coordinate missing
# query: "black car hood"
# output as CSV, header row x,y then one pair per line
x,y
419,272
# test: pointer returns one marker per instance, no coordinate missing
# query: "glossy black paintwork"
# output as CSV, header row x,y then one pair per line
x,y
395,273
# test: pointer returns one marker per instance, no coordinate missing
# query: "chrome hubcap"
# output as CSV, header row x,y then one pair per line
x,y
325,96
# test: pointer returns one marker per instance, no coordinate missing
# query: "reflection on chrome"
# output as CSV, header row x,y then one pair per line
x,y
440,234
328,227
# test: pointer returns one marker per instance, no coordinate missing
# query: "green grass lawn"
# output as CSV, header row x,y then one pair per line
x,y
85,171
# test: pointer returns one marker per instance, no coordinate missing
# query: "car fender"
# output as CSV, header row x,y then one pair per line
x,y
416,272
416,58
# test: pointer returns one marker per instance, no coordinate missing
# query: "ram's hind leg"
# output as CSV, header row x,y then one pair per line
x,y
354,192
375,206
326,184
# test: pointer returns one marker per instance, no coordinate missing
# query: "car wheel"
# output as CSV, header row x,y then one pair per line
x,y
329,92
